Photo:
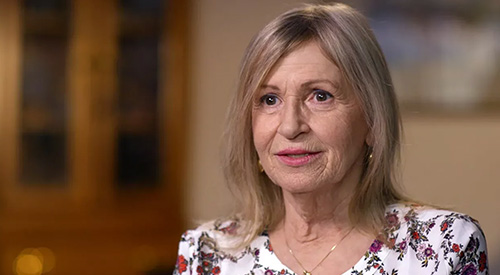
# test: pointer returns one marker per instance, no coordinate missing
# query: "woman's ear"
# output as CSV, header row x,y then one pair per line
x,y
369,139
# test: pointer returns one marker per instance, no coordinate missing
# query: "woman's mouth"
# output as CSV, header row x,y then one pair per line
x,y
296,157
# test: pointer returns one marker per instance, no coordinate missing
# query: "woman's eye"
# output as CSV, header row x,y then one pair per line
x,y
269,100
320,95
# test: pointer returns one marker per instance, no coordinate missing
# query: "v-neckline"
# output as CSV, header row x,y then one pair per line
x,y
274,261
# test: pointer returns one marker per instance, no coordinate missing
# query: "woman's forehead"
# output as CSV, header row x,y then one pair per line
x,y
307,63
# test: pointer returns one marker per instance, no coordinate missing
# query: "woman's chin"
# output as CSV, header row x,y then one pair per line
x,y
299,185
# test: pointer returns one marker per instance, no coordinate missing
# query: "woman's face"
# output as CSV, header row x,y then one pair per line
x,y
309,131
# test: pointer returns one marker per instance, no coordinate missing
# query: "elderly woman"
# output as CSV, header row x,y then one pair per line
x,y
312,144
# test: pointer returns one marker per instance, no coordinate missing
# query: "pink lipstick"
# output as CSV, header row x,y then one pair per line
x,y
296,156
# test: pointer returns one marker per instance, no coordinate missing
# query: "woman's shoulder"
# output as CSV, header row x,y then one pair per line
x,y
439,238
412,214
213,235
216,245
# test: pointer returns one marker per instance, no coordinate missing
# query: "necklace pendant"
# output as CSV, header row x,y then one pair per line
x,y
307,272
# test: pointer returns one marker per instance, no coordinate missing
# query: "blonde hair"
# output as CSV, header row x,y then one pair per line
x,y
347,40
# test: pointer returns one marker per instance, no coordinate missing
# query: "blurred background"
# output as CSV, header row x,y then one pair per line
x,y
111,115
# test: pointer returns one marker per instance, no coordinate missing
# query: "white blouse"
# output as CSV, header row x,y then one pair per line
x,y
422,240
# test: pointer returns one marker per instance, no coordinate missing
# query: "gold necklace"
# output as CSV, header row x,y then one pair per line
x,y
305,272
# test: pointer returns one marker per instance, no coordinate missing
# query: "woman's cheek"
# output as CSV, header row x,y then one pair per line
x,y
259,132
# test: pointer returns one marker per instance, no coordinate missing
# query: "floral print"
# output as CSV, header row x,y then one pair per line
x,y
181,264
376,246
416,240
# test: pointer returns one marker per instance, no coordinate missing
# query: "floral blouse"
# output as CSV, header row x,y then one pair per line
x,y
422,240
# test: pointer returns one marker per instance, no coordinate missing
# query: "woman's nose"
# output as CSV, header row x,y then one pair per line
x,y
293,122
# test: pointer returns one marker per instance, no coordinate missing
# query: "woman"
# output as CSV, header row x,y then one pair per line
x,y
313,139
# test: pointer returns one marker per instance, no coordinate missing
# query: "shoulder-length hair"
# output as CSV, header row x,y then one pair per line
x,y
347,40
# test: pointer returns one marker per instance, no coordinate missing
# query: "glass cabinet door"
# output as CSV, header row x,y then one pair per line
x,y
43,108
140,30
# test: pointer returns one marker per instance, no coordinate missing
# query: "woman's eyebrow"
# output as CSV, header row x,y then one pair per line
x,y
303,85
317,81
267,86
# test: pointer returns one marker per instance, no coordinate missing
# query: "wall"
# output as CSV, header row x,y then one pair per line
x,y
450,161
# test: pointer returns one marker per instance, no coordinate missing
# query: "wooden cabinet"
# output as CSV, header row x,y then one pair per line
x,y
92,130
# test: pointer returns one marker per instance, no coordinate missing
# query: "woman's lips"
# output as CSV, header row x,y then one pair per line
x,y
296,157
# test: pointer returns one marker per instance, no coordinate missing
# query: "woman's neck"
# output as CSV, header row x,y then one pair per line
x,y
324,212
308,218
